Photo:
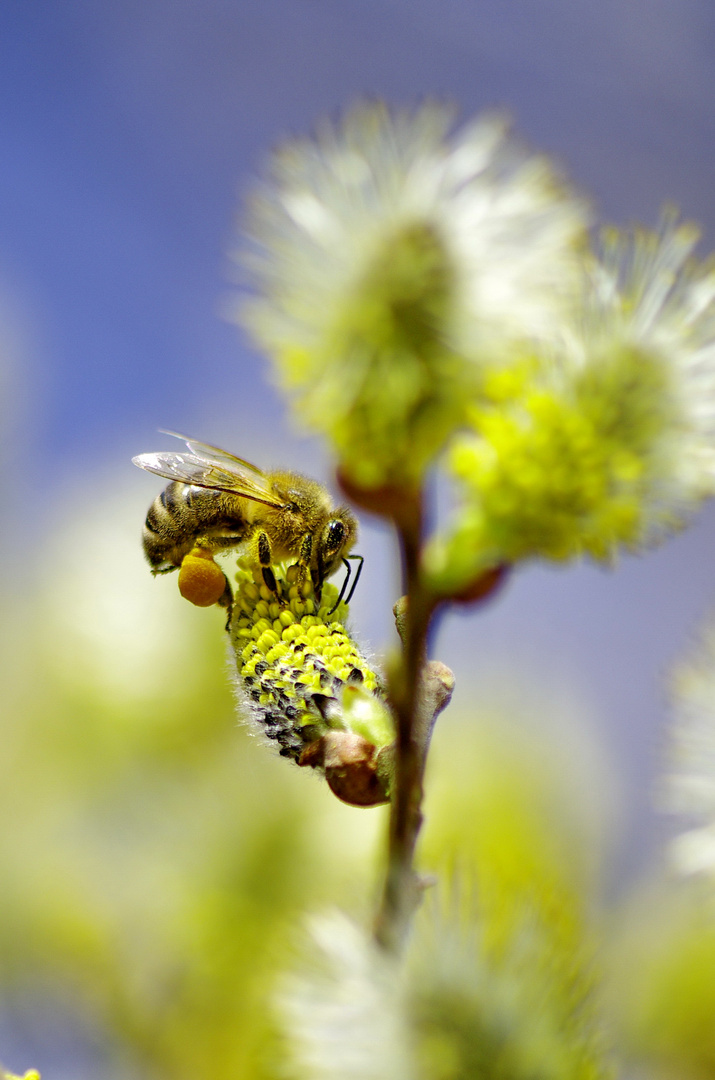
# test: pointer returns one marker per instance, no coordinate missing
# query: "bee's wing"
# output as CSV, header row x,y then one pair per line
x,y
232,476
214,453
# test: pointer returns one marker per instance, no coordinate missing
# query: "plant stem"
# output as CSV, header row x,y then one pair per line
x,y
402,889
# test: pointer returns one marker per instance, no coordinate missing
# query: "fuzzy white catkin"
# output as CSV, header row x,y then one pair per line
x,y
343,1014
688,788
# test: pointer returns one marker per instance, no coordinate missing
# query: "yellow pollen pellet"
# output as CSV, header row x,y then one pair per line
x,y
310,606
251,591
261,609
265,592
286,618
276,653
274,609
318,630
297,607
306,589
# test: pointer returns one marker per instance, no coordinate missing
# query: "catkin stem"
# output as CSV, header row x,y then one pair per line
x,y
402,890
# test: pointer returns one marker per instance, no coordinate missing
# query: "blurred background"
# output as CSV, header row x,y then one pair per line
x,y
153,856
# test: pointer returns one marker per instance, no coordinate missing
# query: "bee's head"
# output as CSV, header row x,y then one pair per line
x,y
335,540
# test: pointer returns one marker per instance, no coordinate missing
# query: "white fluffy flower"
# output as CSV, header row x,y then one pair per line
x,y
343,1012
649,297
481,992
331,204
689,787
391,260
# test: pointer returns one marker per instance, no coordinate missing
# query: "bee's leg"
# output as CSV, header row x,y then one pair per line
x,y
305,553
305,559
264,556
306,550
270,579
302,566
225,600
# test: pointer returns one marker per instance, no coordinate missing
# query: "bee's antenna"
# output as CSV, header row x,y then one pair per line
x,y
347,579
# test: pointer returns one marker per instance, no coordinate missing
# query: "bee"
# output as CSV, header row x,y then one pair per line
x,y
217,501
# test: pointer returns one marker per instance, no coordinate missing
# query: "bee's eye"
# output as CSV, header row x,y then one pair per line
x,y
335,534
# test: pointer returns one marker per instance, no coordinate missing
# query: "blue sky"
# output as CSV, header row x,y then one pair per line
x,y
128,132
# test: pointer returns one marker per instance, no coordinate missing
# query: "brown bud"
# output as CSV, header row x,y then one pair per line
x,y
400,502
350,765
483,586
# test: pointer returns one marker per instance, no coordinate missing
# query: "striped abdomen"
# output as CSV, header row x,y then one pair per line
x,y
183,514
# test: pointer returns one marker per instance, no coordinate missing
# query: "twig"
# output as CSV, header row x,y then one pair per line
x,y
418,691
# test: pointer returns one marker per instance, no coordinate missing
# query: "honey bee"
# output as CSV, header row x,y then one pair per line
x,y
217,501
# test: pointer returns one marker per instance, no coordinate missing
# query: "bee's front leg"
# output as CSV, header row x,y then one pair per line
x,y
302,563
261,545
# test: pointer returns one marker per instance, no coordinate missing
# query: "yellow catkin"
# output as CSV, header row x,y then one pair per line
x,y
294,657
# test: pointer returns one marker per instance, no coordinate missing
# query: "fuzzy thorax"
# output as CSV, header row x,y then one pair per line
x,y
305,683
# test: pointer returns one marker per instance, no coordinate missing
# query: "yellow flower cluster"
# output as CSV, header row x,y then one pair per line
x,y
602,439
295,661
566,474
